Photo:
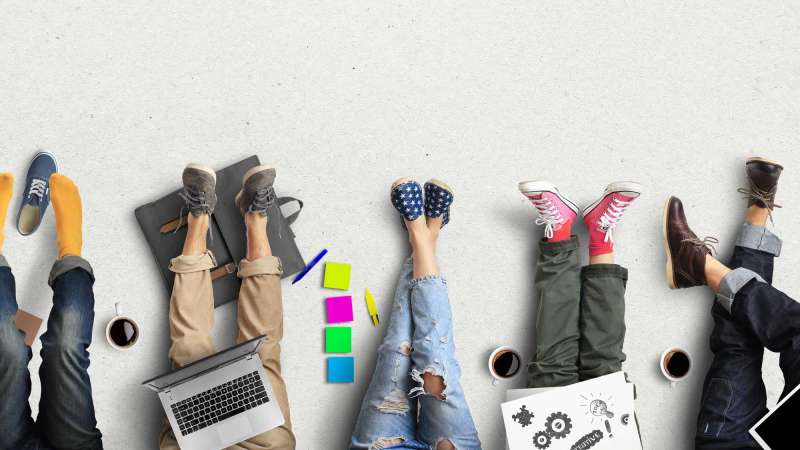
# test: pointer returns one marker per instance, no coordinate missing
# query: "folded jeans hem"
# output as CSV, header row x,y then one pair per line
x,y
67,263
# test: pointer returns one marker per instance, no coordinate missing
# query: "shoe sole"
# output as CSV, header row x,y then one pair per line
x,y
400,181
669,272
441,184
763,160
203,168
618,186
250,172
530,187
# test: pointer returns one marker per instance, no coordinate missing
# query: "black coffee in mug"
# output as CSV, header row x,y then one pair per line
x,y
677,364
123,332
506,364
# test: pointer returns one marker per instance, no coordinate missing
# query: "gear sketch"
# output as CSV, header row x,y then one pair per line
x,y
541,440
558,425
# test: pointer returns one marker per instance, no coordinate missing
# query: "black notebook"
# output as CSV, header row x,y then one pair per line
x,y
163,223
775,431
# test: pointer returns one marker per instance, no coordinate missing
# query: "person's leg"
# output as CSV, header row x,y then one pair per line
x,y
261,313
602,319
557,285
66,411
602,315
191,307
734,396
445,421
388,417
15,382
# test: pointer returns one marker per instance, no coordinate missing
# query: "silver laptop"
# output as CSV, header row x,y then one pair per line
x,y
219,400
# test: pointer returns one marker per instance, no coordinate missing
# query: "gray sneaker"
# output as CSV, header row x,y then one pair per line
x,y
257,193
199,184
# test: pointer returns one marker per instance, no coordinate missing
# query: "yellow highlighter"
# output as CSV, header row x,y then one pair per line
x,y
373,310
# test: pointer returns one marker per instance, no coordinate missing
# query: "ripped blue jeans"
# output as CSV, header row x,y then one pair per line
x,y
397,412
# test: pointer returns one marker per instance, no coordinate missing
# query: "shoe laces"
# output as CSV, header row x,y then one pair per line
x,y
611,217
38,188
263,199
708,243
760,195
549,216
195,200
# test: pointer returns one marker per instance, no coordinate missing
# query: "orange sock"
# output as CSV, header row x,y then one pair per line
x,y
6,189
67,206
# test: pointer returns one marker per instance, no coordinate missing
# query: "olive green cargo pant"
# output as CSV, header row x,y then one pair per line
x,y
580,323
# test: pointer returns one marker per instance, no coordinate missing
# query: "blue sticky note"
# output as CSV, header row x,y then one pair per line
x,y
341,369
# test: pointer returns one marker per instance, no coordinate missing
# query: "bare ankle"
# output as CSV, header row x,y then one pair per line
x,y
757,215
715,271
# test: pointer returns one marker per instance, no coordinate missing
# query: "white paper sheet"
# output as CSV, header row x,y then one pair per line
x,y
597,414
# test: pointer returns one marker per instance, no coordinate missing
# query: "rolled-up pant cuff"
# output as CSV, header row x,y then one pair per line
x,y
732,283
268,265
759,238
67,263
552,248
3,262
604,270
193,263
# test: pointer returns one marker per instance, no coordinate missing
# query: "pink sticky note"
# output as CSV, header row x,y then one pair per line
x,y
340,309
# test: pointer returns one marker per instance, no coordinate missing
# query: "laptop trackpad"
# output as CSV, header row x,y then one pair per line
x,y
235,429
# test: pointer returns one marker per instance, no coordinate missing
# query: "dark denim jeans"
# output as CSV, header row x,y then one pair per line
x,y
734,396
66,412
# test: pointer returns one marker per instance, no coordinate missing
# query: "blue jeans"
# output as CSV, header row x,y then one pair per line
x,y
419,339
749,316
66,413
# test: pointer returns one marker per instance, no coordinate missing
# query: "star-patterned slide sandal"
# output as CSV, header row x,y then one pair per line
x,y
406,196
438,198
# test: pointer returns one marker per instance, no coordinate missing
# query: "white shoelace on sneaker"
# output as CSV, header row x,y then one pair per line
x,y
611,217
549,215
38,188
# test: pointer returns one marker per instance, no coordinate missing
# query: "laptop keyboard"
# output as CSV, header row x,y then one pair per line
x,y
219,403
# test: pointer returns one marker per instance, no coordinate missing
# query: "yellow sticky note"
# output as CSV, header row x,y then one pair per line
x,y
337,276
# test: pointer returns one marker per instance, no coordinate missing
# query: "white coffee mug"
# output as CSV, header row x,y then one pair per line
x,y
122,332
666,358
516,363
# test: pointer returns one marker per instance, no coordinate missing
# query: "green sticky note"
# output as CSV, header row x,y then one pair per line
x,y
337,276
338,339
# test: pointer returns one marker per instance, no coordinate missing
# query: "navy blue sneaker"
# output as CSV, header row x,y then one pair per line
x,y
438,198
36,196
406,196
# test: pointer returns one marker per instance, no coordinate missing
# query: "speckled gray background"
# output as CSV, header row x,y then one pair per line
x,y
345,96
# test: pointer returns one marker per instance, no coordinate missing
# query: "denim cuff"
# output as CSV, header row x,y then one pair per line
x,y
604,270
429,279
732,283
554,248
193,263
759,238
3,262
67,263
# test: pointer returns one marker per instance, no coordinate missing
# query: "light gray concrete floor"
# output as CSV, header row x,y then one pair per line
x,y
343,97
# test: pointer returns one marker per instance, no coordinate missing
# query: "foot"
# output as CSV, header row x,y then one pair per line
x,y
438,198
199,185
686,254
257,193
6,189
556,212
762,177
406,196
604,214
69,215
36,196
